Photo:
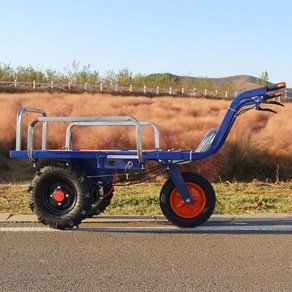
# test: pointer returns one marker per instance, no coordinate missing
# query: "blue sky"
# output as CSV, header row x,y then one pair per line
x,y
198,38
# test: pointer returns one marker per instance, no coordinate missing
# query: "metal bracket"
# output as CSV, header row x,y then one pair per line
x,y
175,174
100,156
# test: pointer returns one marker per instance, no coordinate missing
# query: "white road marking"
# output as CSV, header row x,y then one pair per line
x,y
26,229
174,229
168,229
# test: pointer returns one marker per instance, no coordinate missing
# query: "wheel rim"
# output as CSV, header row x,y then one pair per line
x,y
184,210
59,197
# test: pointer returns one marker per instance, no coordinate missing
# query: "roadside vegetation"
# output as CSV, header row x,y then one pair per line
x,y
251,173
143,199
78,74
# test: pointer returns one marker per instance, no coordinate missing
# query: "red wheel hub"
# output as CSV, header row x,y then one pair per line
x,y
59,196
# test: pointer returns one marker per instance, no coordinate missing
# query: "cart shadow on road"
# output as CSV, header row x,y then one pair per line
x,y
276,229
221,229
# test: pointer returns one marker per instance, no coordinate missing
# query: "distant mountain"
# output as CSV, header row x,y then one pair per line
x,y
240,82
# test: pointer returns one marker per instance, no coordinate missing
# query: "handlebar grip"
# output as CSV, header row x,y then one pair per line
x,y
276,86
273,94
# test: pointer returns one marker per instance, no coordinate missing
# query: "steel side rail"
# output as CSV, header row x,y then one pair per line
x,y
85,119
109,123
19,126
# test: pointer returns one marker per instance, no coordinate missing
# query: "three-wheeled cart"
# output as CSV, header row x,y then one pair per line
x,y
81,183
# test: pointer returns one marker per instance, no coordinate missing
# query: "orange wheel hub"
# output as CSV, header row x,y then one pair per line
x,y
184,210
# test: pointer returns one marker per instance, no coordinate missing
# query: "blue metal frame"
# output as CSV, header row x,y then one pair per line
x,y
102,164
176,176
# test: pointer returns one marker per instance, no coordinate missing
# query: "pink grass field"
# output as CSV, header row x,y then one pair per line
x,y
259,145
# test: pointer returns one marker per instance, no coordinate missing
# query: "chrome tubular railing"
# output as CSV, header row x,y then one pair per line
x,y
115,119
109,123
19,126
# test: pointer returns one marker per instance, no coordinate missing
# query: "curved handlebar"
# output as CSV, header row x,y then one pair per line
x,y
272,95
276,86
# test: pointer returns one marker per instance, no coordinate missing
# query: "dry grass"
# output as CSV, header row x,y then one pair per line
x,y
258,145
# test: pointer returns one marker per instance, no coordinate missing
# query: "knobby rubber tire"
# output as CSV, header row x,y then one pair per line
x,y
100,206
207,200
76,207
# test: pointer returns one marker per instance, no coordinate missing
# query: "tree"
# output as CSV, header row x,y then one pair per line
x,y
6,72
124,77
263,78
50,74
203,83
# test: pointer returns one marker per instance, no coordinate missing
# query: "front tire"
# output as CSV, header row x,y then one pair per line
x,y
60,196
187,215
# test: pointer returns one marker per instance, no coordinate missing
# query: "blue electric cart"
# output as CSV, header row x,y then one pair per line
x,y
81,183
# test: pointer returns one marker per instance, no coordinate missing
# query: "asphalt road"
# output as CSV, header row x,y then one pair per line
x,y
88,260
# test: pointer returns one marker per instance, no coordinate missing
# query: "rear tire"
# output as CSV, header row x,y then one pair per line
x,y
187,215
60,196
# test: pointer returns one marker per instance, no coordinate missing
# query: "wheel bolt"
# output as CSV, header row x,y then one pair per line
x,y
67,195
59,204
